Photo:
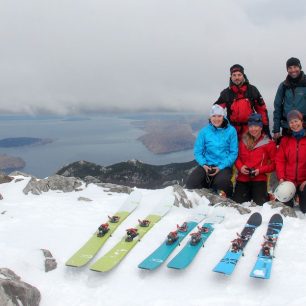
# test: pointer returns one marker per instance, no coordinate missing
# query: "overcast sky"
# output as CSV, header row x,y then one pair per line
x,y
72,56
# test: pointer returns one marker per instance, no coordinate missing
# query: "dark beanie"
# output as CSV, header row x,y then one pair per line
x,y
237,67
294,114
255,119
293,61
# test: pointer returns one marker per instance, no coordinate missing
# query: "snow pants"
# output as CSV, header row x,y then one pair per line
x,y
302,197
222,181
247,191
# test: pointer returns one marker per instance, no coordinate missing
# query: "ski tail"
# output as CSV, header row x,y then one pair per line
x,y
228,263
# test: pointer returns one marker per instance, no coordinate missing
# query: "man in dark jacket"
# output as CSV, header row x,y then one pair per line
x,y
291,94
241,99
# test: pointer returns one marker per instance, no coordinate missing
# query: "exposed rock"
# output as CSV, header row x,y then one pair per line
x,y
14,292
1,196
90,180
5,178
286,211
19,180
55,182
84,199
35,186
132,173
181,197
215,199
115,188
19,173
50,262
66,184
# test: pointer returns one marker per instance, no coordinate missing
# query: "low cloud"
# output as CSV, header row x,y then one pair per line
x,y
68,57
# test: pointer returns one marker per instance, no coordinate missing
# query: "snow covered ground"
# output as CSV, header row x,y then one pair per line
x,y
59,222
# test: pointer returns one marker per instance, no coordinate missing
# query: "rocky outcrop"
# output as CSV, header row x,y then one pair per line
x,y
55,182
5,178
15,292
215,199
115,188
132,173
286,211
20,173
181,197
50,262
83,199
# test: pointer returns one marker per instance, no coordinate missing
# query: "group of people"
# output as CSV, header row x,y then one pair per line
x,y
238,134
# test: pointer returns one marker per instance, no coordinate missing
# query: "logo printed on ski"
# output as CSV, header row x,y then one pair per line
x,y
228,263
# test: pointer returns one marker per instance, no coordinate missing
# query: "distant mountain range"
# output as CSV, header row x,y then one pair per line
x,y
133,173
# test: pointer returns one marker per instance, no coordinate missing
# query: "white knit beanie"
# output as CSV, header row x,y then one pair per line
x,y
217,110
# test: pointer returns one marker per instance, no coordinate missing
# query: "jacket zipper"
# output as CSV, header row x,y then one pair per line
x,y
297,160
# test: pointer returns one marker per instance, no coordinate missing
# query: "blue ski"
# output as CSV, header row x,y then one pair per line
x,y
263,265
173,239
228,263
188,253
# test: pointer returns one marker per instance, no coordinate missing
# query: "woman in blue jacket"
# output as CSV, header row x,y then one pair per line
x,y
215,150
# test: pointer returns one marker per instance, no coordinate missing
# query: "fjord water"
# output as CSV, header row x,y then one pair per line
x,y
103,139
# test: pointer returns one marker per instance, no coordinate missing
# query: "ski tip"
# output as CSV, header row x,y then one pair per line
x,y
255,219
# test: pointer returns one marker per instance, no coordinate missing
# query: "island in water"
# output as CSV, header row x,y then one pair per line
x,y
11,163
167,136
23,141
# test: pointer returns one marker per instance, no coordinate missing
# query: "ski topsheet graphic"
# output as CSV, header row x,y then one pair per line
x,y
113,257
263,265
197,240
228,263
94,244
172,240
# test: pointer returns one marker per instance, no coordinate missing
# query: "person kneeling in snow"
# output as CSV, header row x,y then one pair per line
x,y
215,150
256,158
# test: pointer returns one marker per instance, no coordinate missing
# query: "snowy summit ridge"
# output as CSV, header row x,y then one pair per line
x,y
58,221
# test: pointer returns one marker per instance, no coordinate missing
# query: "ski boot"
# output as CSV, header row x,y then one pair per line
x,y
131,234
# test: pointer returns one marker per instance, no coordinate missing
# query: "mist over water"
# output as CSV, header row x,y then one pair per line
x,y
102,139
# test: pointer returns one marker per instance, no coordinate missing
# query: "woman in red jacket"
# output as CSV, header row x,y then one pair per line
x,y
291,157
256,158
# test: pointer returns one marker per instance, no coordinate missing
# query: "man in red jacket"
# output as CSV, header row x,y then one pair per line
x,y
241,99
256,158
291,157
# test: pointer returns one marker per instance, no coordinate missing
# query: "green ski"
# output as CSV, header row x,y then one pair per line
x,y
122,248
94,244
